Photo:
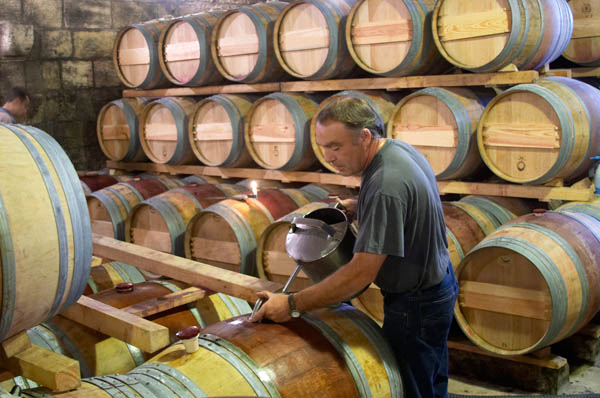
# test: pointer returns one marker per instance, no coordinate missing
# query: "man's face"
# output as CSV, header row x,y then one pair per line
x,y
341,148
21,107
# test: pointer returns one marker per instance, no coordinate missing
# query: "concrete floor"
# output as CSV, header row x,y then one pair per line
x,y
584,378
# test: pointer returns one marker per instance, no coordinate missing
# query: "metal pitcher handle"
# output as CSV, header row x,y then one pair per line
x,y
311,223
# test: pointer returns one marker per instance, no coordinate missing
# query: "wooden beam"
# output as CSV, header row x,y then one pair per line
x,y
146,335
385,83
257,174
15,344
208,90
166,302
47,368
183,269
585,72
541,193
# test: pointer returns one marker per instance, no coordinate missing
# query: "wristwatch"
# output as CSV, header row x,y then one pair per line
x,y
294,313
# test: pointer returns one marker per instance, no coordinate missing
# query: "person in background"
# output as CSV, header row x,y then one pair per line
x,y
16,106
401,245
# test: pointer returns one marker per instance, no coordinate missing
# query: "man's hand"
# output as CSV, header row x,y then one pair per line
x,y
276,308
348,206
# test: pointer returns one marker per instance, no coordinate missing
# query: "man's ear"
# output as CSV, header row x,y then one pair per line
x,y
365,134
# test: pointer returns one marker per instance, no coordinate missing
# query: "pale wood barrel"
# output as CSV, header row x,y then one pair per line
x,y
242,43
118,129
99,354
216,131
277,131
109,275
169,181
488,36
530,283
380,101
160,222
592,208
109,207
583,48
441,123
272,260
135,55
393,38
184,50
334,353
164,131
309,39
533,133
225,235
45,232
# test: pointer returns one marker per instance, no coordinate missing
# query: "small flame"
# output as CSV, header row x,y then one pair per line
x,y
254,188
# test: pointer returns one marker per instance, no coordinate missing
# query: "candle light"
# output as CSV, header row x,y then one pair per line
x,y
254,188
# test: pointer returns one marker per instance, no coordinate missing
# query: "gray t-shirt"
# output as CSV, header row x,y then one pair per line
x,y
6,117
400,214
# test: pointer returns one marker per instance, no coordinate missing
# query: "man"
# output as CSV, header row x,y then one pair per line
x,y
16,106
401,245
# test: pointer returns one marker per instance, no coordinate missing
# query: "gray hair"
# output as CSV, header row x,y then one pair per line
x,y
355,113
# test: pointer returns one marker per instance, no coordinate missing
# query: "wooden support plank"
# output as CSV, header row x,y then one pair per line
x,y
385,83
391,83
15,344
585,72
208,90
146,335
382,32
50,369
430,136
542,193
166,302
304,39
183,269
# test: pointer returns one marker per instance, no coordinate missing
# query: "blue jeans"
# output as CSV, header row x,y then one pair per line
x,y
416,325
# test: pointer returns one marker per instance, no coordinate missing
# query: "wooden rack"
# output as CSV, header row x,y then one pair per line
x,y
582,191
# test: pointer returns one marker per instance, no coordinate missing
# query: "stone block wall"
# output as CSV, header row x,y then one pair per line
x,y
61,52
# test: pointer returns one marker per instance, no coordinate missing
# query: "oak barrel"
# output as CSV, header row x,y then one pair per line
x,y
583,47
442,124
277,131
309,39
164,131
533,133
135,55
530,283
216,131
380,101
90,184
337,353
160,222
184,50
109,207
242,43
393,38
45,232
486,36
225,235
118,129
